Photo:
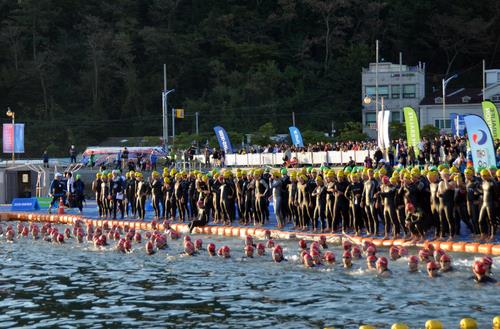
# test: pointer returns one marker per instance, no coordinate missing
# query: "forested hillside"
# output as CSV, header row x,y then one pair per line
x,y
79,71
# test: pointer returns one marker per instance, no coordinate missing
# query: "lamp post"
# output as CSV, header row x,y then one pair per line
x,y
445,82
12,114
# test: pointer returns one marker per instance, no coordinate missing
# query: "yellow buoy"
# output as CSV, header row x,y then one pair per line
x,y
399,326
496,322
468,323
366,326
433,324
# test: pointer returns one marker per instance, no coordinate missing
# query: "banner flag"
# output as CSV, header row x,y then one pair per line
x,y
385,126
13,139
223,139
412,128
481,142
380,134
296,136
491,117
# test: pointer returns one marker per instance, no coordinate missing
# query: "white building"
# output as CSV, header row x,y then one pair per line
x,y
460,101
399,85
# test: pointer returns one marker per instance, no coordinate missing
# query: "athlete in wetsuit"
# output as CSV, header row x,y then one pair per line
x,y
227,198
473,186
181,196
388,193
320,208
292,200
57,191
303,200
156,193
105,196
434,202
354,193
116,191
368,202
96,188
276,186
487,212
261,192
341,206
141,194
130,191
330,198
446,192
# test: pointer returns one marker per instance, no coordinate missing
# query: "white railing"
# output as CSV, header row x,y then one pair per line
x,y
309,158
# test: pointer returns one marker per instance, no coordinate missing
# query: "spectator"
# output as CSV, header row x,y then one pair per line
x,y
92,159
154,158
45,157
72,154
124,157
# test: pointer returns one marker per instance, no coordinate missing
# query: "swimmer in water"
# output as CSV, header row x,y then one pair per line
x,y
432,269
316,257
371,262
277,254
9,235
480,276
403,252
249,241
424,256
270,243
127,246
356,252
189,248
322,242
249,249
211,249
347,245
308,260
261,249
413,264
382,268
225,252
394,253
198,244
445,263
329,257
347,259
302,244
150,248
370,251
488,263
138,237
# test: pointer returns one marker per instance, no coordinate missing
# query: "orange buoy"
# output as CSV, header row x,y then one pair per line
x,y
485,248
472,247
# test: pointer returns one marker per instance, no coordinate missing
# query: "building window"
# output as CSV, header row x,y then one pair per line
x,y
395,91
370,119
409,91
383,91
370,90
495,98
396,116
438,123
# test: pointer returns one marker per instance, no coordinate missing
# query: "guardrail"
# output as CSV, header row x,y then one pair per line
x,y
303,158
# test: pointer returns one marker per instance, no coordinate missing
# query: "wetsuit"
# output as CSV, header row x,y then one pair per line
x,y
330,202
320,208
193,197
203,213
460,208
487,211
261,192
434,201
248,199
287,215
390,219
473,186
156,196
446,195
141,194
117,188
415,222
292,202
181,196
227,196
79,188
105,200
303,201
215,200
369,200
400,208
169,200
341,206
240,199
276,186
354,193
96,188
130,191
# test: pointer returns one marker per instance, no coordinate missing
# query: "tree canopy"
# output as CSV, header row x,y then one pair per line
x,y
77,72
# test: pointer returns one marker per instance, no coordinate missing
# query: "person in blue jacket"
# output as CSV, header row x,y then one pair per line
x,y
57,190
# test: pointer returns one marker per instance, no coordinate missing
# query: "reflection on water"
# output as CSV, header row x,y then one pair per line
x,y
71,285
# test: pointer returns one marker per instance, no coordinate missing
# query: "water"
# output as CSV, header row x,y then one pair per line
x,y
72,285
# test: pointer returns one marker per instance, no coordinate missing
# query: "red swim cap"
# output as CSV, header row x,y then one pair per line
x,y
198,243
410,207
382,261
347,245
432,266
249,247
371,259
187,238
226,249
424,253
138,237
371,250
487,260
302,244
356,252
385,180
394,249
60,238
329,256
479,267
413,259
445,258
117,235
149,246
211,247
322,238
346,254
270,243
261,246
403,251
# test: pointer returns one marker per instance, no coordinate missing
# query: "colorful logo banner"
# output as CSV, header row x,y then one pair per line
x,y
223,139
412,128
296,136
481,142
491,117
13,138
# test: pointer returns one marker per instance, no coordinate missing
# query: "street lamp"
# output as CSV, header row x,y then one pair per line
x,y
445,82
12,114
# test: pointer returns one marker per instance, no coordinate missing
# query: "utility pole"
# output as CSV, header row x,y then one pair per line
x,y
293,119
196,114
173,125
164,106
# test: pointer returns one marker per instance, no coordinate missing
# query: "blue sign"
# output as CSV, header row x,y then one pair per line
x,y
481,142
296,136
24,204
223,139
457,124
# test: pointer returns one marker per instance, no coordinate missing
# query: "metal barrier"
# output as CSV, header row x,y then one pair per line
x,y
303,158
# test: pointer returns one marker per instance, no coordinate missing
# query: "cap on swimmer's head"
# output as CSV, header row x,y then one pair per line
x,y
382,262
403,251
267,234
487,260
413,259
479,267
149,247
347,245
386,180
249,239
270,243
356,252
410,207
198,244
432,266
211,247
445,258
371,250
346,255
394,250
371,259
329,257
188,247
302,244
424,253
